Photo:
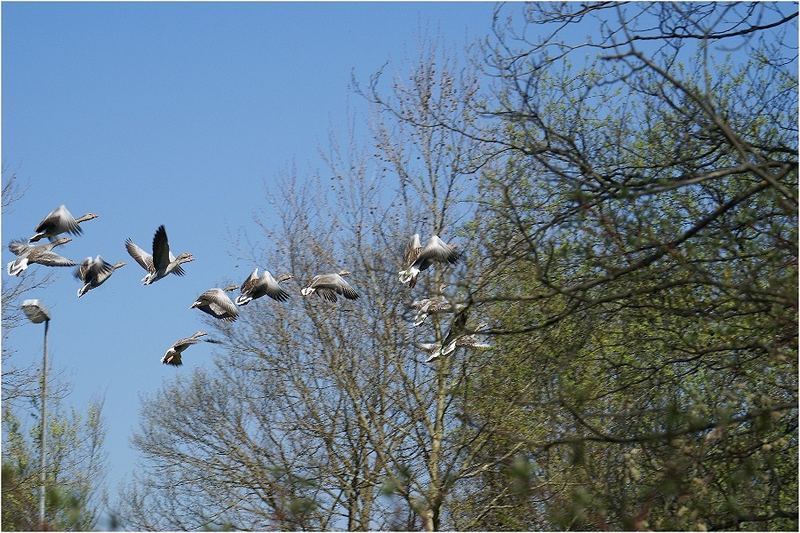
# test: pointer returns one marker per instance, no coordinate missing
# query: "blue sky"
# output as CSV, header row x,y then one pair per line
x,y
177,114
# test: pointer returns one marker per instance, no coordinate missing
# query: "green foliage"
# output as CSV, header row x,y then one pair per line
x,y
74,469
642,280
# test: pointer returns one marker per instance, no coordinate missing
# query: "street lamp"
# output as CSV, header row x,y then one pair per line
x,y
37,314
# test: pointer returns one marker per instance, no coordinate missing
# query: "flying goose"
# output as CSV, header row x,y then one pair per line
x,y
255,287
173,354
432,306
217,304
327,286
418,258
431,348
458,336
60,220
465,341
162,262
42,254
93,272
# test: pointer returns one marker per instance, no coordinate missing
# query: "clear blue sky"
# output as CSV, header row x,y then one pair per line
x,y
174,114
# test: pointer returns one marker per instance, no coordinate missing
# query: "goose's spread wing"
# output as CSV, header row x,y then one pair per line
x,y
173,354
250,283
53,259
272,289
59,220
436,305
219,303
48,221
328,285
144,259
221,308
345,289
471,341
82,271
438,250
413,248
100,269
456,327
420,304
326,293
19,247
161,255
182,344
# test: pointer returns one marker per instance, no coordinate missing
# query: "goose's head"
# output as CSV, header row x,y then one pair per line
x,y
285,277
344,272
230,288
185,257
88,216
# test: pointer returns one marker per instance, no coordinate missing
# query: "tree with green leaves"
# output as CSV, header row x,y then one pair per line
x,y
640,216
74,470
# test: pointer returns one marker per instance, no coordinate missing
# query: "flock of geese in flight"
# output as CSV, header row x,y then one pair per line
x,y
93,272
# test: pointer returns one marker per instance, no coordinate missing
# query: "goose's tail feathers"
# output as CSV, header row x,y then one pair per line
x,y
16,266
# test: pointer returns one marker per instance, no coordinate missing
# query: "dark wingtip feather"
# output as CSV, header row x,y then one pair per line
x,y
454,256
327,294
350,294
161,233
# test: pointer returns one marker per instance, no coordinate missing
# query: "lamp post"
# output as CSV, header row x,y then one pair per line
x,y
37,314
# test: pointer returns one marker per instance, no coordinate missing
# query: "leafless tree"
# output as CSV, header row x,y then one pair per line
x,y
18,383
320,415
